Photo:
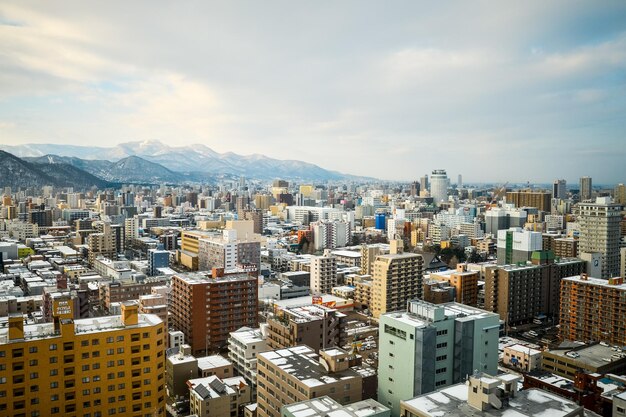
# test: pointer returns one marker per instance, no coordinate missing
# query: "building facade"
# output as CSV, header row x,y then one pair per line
x,y
429,346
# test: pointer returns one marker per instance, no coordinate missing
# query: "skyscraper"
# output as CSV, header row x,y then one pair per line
x,y
620,194
558,189
424,183
585,188
600,232
439,186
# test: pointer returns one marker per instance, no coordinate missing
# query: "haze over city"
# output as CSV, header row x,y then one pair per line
x,y
498,92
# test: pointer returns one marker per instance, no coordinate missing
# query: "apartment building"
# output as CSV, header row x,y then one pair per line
x,y
323,273
600,232
326,406
519,293
528,198
232,300
243,346
593,309
397,278
316,326
295,374
464,282
96,366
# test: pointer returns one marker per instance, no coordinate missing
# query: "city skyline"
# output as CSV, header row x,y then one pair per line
x,y
360,88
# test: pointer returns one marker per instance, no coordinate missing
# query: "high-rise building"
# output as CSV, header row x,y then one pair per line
x,y
459,182
592,309
102,244
232,300
439,183
429,346
599,224
424,183
529,198
69,366
539,282
323,273
585,188
331,234
415,189
517,245
619,194
559,189
397,279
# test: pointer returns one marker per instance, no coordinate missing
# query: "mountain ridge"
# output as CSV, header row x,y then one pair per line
x,y
189,159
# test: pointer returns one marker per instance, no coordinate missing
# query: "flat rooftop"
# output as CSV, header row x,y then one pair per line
x,y
593,355
203,278
327,407
303,363
597,282
452,401
81,326
247,335
213,361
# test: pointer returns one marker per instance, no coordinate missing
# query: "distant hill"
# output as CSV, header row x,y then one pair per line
x,y
184,160
132,169
16,172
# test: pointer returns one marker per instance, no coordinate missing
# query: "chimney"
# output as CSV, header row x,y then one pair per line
x,y
16,326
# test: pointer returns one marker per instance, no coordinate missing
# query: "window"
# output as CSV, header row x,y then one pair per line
x,y
32,349
33,362
54,385
54,397
441,370
54,359
54,372
53,346
442,345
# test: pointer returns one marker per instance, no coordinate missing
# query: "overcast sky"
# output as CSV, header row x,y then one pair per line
x,y
494,90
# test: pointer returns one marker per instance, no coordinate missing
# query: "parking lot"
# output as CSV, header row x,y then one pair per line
x,y
361,332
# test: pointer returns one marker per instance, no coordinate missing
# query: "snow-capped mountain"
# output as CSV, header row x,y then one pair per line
x,y
187,159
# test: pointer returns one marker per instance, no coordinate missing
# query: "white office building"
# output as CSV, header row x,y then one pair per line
x,y
439,183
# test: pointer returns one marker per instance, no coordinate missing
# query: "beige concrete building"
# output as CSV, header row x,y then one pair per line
x,y
323,273
214,396
297,374
316,326
397,278
600,232
522,357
